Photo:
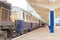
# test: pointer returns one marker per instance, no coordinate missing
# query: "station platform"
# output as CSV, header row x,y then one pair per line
x,y
40,34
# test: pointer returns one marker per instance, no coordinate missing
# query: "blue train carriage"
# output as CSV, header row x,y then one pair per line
x,y
35,22
24,24
22,20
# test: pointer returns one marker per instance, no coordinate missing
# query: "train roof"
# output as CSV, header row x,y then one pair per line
x,y
20,9
5,5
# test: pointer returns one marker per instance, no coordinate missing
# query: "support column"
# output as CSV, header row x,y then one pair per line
x,y
51,21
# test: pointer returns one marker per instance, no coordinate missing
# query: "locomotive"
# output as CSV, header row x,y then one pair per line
x,y
5,24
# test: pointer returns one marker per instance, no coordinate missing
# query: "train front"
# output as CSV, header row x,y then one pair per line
x,y
6,25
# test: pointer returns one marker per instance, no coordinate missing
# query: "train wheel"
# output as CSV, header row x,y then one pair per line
x,y
29,30
9,34
22,33
25,31
18,34
5,35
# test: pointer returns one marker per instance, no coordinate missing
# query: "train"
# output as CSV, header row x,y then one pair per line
x,y
15,21
25,21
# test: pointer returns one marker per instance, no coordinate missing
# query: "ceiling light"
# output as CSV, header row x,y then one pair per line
x,y
52,0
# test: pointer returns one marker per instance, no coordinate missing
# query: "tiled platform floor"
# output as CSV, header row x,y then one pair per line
x,y
41,34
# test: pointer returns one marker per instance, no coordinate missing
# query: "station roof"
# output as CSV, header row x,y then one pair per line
x,y
43,7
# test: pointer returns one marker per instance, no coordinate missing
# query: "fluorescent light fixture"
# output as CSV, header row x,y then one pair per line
x,y
52,0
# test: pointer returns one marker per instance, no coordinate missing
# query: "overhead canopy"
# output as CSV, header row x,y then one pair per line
x,y
57,12
42,7
41,10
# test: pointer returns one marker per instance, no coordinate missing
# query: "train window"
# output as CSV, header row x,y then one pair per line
x,y
9,12
23,15
0,14
15,15
4,14
29,18
26,17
